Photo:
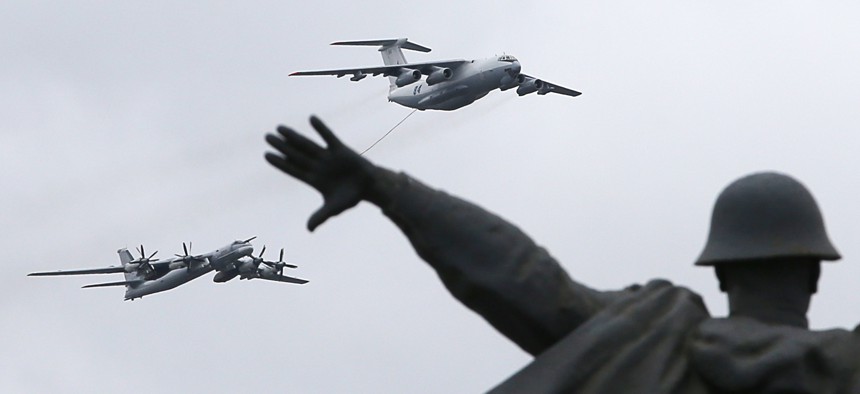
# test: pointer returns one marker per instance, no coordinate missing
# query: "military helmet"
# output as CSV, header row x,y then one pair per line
x,y
766,216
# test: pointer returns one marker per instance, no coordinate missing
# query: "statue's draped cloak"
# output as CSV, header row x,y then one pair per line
x,y
653,339
634,345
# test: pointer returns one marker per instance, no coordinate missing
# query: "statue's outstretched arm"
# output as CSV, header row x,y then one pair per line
x,y
487,263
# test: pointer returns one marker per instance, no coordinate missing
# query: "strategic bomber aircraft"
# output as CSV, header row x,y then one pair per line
x,y
145,275
450,84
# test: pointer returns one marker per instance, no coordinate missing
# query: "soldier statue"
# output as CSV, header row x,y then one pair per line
x,y
766,242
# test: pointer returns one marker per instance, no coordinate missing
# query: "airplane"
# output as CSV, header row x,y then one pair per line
x,y
145,275
449,84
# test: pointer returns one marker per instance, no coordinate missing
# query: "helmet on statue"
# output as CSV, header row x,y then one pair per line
x,y
766,216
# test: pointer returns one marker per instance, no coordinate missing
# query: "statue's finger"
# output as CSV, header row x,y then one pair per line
x,y
298,157
325,132
301,142
280,143
319,217
281,163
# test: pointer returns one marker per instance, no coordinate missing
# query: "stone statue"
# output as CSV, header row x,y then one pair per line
x,y
766,242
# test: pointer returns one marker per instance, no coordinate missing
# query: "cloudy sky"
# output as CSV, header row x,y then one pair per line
x,y
124,123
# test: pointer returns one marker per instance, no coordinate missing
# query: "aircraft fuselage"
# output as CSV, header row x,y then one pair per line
x,y
220,259
470,82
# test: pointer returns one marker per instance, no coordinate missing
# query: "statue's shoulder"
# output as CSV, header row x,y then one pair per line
x,y
666,288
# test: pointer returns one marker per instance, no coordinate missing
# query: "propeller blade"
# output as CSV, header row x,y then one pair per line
x,y
184,249
282,255
262,251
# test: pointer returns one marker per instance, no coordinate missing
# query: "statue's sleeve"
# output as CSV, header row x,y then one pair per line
x,y
491,266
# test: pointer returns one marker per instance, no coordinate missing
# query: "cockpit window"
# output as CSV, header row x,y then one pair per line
x,y
507,58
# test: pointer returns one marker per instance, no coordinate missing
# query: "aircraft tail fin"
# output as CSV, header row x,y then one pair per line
x,y
125,258
391,49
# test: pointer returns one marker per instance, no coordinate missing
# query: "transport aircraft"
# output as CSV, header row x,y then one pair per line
x,y
442,85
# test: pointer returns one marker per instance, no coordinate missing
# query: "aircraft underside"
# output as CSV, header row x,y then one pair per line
x,y
172,280
446,96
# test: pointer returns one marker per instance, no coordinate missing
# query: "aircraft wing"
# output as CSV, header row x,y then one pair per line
x,y
108,270
553,88
425,68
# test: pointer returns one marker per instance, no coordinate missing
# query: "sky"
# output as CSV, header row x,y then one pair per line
x,y
128,123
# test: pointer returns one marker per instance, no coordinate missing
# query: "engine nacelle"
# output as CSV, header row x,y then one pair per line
x,y
509,82
439,74
177,265
406,77
358,76
224,276
529,85
544,89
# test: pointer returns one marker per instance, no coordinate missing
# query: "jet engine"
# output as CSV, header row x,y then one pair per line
x,y
544,89
529,85
439,74
406,77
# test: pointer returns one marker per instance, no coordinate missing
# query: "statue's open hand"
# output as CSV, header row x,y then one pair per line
x,y
339,173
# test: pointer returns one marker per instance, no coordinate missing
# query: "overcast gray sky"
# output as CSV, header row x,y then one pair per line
x,y
143,122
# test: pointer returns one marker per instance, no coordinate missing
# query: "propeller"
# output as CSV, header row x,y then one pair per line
x,y
144,262
278,265
259,259
186,258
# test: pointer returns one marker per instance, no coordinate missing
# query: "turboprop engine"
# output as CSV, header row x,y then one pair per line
x,y
529,85
439,74
407,76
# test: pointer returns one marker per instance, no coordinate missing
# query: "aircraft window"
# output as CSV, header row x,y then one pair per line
x,y
507,58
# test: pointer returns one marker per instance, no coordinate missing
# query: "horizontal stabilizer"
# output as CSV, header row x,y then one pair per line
x,y
385,44
284,278
123,283
289,279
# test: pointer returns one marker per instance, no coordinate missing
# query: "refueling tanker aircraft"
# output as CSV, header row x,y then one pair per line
x,y
145,275
449,84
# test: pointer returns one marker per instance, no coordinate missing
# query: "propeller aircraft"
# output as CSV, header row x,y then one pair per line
x,y
449,84
146,275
